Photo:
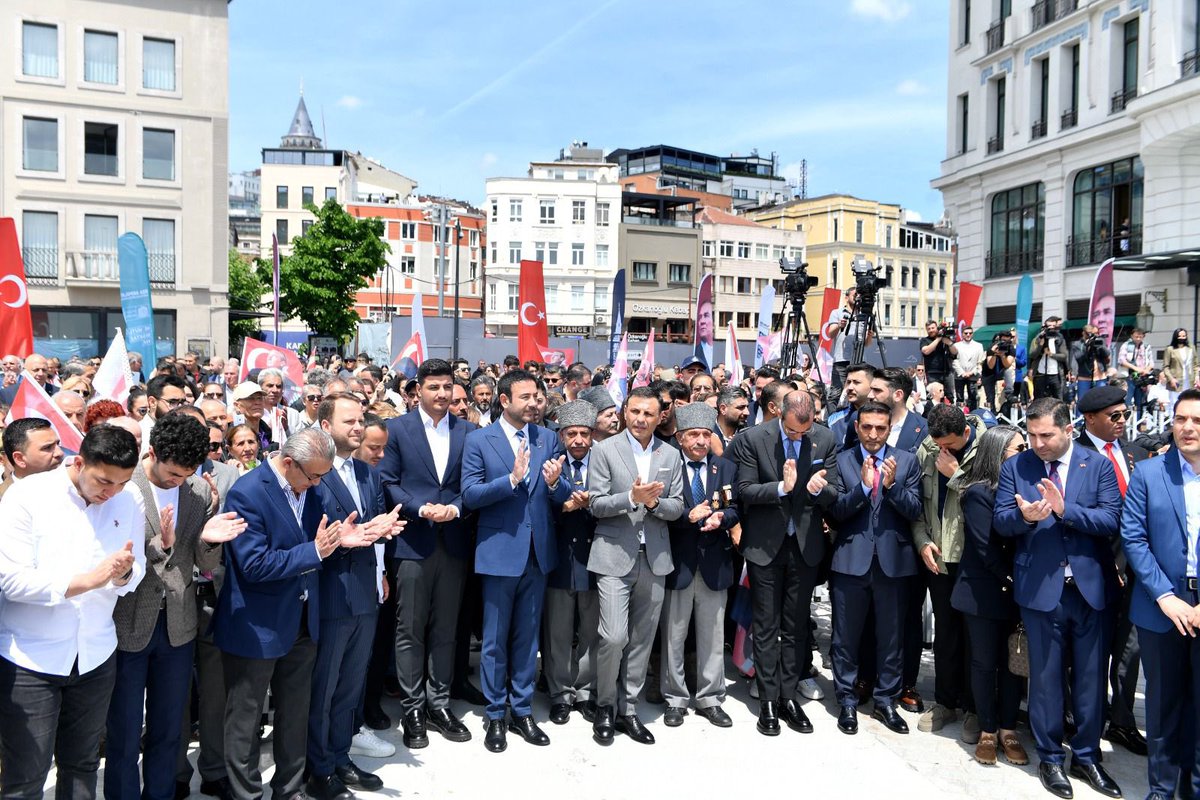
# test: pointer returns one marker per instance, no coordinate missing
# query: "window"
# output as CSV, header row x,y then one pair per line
x,y
745,285
1070,117
1107,212
577,255
964,31
932,275
795,253
887,236
493,252
281,197
777,252
408,230
602,215
39,50
551,296
1018,230
546,212
408,265
724,318
679,273
100,57
492,298
39,244
1043,98
578,212
929,312
942,280
600,301
903,315
158,64
858,231
916,275
305,224
706,248
495,211
725,284
552,253
474,269
576,297
159,236
331,193
514,210
1000,95
473,237
40,151
281,231
762,252
887,314
964,123
743,319
645,271
158,154
99,246
726,249
743,249
833,273
904,277
514,253
306,195
513,297
100,148
835,230
539,251
1129,65
942,312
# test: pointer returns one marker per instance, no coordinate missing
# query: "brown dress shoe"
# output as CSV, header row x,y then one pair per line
x,y
1014,753
910,701
985,751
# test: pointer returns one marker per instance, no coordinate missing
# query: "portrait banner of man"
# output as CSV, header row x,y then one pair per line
x,y
1103,311
705,329
261,355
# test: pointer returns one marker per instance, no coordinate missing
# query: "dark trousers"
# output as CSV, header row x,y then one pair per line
x,y
997,691
1172,666
1075,631
989,389
781,599
246,680
156,677
512,616
428,594
59,717
209,680
967,391
383,652
337,686
470,623
912,638
838,380
950,664
1126,657
1047,386
852,596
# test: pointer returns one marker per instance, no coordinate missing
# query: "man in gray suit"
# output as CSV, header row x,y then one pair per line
x,y
635,482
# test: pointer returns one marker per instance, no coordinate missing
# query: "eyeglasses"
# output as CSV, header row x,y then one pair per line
x,y
1120,416
311,478
174,403
214,447
313,398
214,395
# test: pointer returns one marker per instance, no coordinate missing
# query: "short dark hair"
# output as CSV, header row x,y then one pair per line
x,y
1051,407
117,447
434,368
374,421
509,378
375,371
767,372
702,375
946,420
156,385
532,364
16,435
730,393
578,372
774,392
897,379
872,407
647,391
329,403
862,366
511,361
678,390
1186,394
180,439
190,411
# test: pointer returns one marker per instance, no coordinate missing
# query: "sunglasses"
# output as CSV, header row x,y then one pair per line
x,y
214,447
1120,416
214,395
1022,447
313,398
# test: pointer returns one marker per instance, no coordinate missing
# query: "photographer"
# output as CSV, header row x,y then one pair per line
x,y
1001,356
1136,363
1091,362
937,348
968,358
1048,360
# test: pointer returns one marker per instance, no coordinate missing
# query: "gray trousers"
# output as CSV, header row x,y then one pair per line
x,y
428,594
707,607
570,670
210,676
629,610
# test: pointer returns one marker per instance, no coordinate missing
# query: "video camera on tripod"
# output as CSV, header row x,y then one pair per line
x,y
796,284
867,283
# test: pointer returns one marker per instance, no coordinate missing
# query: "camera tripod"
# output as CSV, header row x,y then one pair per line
x,y
795,326
859,315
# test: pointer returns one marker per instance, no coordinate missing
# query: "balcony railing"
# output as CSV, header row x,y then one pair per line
x,y
1084,252
1039,130
639,219
162,267
997,265
1190,65
1064,7
1069,119
995,36
93,265
1121,99
41,265
995,145
1043,13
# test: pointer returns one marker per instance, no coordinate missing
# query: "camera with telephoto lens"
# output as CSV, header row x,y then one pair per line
x,y
946,331
798,281
1003,344
868,281
1147,380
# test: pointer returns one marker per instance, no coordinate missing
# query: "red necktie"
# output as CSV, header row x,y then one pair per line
x,y
1112,456
878,479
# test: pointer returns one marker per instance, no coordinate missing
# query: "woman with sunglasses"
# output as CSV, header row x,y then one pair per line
x,y
983,593
241,448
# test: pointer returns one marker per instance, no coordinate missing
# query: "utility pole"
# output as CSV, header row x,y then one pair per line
x,y
440,270
457,256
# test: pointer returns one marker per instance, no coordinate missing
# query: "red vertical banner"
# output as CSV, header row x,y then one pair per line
x,y
968,300
533,334
16,326
830,305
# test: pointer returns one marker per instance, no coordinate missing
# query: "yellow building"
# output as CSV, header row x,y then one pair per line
x,y
839,228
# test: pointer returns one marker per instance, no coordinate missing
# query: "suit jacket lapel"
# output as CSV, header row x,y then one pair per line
x,y
191,511
1173,483
777,450
362,476
149,501
421,443
282,507
626,451
1075,474
334,484
458,438
500,444
536,455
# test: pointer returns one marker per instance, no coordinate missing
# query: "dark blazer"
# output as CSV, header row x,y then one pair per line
x,y
845,437
984,584
1133,453
268,568
759,455
883,529
709,554
410,478
914,431
348,574
573,531
1083,537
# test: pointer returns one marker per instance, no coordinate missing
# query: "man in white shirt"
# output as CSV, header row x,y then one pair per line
x,y
31,446
968,359
72,544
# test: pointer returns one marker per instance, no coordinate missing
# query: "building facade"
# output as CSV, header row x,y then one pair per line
x,y
660,250
1071,139
722,182
115,119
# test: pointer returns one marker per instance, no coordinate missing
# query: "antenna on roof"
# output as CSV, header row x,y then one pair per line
x,y
804,179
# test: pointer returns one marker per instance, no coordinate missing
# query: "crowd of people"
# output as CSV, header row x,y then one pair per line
x,y
216,559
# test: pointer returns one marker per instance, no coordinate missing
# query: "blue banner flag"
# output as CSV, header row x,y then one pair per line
x,y
135,297
1024,309
617,326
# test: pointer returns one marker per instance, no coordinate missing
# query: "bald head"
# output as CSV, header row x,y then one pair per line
x,y
72,405
129,424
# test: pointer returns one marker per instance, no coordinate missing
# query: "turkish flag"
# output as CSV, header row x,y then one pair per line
x,y
31,400
261,355
968,300
533,334
16,327
830,317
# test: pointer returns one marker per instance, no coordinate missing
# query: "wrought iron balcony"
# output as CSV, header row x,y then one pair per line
x,y
997,265
1085,252
1039,130
1121,99
1069,119
995,145
1191,64
162,267
1043,13
41,265
995,36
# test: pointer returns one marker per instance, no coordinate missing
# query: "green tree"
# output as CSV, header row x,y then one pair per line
x,y
247,283
329,264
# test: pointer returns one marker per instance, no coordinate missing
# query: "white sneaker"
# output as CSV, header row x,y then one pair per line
x,y
366,743
811,689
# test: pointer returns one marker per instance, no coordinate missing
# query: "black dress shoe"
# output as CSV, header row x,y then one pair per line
x,y
352,775
415,736
654,695
1095,775
768,719
375,719
449,726
889,717
848,720
466,691
328,787
1055,780
792,714
586,709
673,717
1129,738
602,727
716,715
218,788
528,730
496,740
632,727
560,713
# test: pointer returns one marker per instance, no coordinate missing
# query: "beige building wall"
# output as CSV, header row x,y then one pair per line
x,y
652,298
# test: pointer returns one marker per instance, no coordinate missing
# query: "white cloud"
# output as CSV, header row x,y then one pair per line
x,y
488,160
882,10
349,101
911,88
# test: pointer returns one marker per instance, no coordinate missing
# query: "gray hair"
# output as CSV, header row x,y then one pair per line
x,y
318,376
270,372
989,455
73,368
308,445
482,380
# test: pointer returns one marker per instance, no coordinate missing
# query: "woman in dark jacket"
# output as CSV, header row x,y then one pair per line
x,y
983,593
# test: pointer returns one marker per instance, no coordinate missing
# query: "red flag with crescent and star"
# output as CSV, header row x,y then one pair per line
x,y
533,334
16,326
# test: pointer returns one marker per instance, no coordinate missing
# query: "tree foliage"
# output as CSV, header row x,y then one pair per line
x,y
247,283
329,264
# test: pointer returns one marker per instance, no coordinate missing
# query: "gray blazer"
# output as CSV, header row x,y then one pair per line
x,y
611,472
168,574
223,475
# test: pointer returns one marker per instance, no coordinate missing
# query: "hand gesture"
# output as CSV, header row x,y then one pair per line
x,y
552,469
222,528
386,525
1181,614
1052,496
435,512
214,497
578,500
713,522
868,473
10,378
166,522
735,535
114,568
946,463
645,493
818,482
520,465
889,472
930,554
328,537
357,534
789,475
700,511
1032,512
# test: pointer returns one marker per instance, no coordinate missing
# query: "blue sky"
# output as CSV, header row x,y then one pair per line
x,y
856,87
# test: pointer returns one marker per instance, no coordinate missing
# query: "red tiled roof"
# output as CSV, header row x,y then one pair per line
x,y
715,216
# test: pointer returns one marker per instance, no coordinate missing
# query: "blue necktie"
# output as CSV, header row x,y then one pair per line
x,y
792,451
792,455
697,483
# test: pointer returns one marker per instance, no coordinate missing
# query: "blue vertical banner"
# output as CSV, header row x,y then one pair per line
x,y
617,326
135,297
1024,309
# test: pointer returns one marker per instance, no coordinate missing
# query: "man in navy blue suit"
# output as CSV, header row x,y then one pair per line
x,y
1063,506
857,390
510,475
422,471
873,557
1160,530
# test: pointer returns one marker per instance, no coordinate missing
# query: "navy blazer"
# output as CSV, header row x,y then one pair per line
x,y
348,573
984,584
1083,538
511,520
882,530
574,531
845,436
410,478
914,431
709,554
268,568
1154,534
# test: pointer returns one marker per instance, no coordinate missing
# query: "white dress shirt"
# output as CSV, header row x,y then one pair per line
x,y
438,436
1191,500
510,433
344,468
897,427
1117,452
50,534
641,459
